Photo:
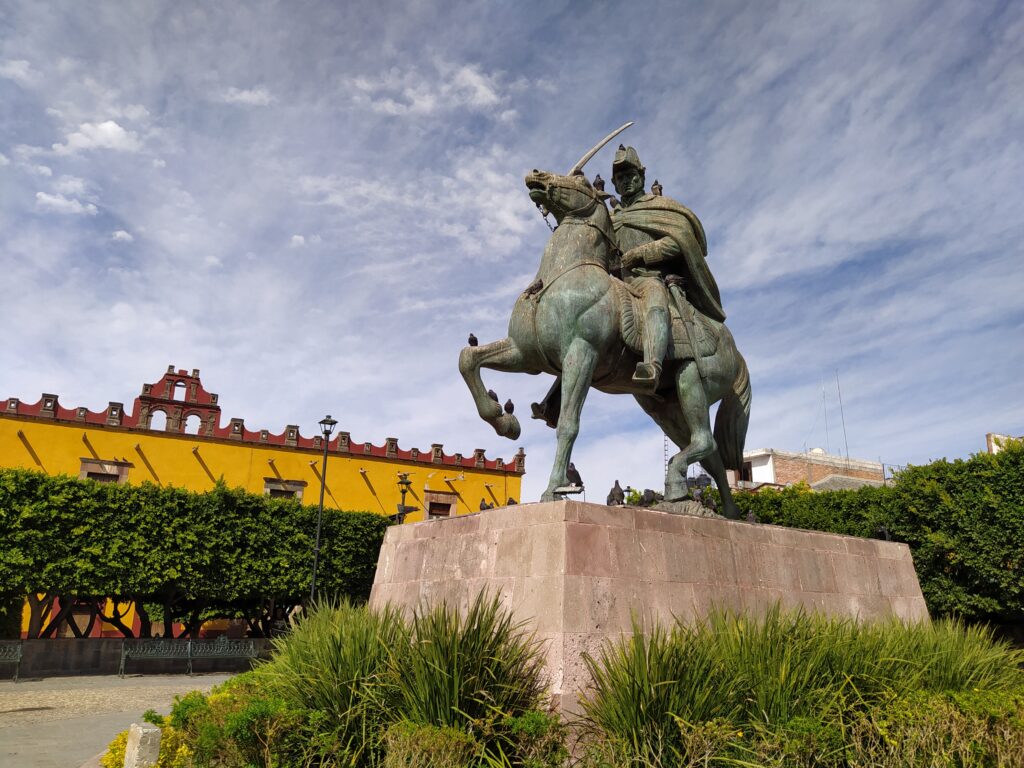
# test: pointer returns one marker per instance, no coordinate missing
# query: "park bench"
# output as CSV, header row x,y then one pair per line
x,y
10,653
166,648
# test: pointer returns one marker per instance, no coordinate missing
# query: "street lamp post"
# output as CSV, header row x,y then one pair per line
x,y
403,487
327,425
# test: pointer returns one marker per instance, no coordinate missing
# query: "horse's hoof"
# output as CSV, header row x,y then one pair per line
x,y
508,426
731,512
676,493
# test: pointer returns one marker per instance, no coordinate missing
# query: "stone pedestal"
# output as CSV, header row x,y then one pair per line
x,y
578,573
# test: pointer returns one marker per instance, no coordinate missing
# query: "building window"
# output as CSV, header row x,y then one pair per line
x,y
276,488
104,471
747,473
439,503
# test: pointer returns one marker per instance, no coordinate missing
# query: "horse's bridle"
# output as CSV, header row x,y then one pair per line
x,y
568,218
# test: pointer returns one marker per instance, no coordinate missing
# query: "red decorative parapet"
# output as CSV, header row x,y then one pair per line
x,y
180,395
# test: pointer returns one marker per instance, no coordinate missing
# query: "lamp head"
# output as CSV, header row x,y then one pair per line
x,y
327,425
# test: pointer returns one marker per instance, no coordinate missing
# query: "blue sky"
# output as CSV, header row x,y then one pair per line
x,y
314,203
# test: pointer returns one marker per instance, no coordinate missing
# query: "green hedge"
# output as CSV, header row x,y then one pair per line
x,y
963,521
191,553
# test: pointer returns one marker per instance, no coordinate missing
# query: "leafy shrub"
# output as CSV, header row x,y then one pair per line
x,y
239,724
426,746
537,739
114,756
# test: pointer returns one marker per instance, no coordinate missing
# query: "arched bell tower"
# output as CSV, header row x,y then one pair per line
x,y
179,394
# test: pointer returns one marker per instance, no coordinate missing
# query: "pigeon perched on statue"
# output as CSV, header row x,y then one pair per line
x,y
493,395
509,406
616,496
573,476
473,340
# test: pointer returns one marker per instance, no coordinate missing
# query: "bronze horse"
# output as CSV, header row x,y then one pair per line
x,y
575,321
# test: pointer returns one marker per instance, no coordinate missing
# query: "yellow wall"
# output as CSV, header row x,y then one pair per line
x,y
196,463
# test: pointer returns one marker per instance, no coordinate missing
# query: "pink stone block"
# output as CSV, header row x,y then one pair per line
x,y
651,555
862,547
587,550
687,559
581,574
598,514
856,575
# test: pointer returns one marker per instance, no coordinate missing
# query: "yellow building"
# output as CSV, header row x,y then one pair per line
x,y
173,436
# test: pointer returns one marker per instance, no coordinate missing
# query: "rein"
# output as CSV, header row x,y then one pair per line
x,y
603,267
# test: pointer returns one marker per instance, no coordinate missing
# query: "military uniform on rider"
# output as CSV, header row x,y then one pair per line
x,y
658,237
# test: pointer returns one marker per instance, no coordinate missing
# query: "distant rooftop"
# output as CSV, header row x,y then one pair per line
x,y
815,456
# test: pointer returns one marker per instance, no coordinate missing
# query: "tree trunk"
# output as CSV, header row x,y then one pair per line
x,y
168,620
192,624
145,623
39,610
67,602
94,611
115,617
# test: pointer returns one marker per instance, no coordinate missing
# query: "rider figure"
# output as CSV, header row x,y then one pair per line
x,y
659,237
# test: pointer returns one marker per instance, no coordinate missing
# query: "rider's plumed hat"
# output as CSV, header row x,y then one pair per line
x,y
626,156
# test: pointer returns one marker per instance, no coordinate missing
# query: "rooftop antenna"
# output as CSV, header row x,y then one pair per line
x,y
824,407
843,417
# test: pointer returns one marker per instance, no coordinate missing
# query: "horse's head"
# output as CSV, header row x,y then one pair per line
x,y
563,195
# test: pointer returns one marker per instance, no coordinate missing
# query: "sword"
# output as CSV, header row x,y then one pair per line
x,y
586,158
675,288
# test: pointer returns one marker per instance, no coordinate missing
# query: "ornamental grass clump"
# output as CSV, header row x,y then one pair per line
x,y
797,689
337,663
469,672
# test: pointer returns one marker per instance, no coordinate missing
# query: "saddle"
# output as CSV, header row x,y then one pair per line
x,y
703,330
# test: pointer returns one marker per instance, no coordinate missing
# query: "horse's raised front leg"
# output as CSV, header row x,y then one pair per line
x,y
577,375
501,355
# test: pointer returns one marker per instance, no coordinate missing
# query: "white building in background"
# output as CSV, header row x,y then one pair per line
x,y
994,443
822,471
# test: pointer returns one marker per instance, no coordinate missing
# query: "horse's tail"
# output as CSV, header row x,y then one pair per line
x,y
733,418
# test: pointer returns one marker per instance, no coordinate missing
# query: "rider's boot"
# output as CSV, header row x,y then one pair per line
x,y
648,372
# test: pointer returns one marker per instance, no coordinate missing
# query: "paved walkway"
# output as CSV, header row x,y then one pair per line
x,y
62,722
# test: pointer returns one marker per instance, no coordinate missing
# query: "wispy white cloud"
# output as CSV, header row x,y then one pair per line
x,y
135,112
60,204
122,236
70,185
253,97
18,70
443,87
474,200
106,135
4,160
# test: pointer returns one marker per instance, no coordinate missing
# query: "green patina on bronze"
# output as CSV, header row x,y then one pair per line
x,y
656,333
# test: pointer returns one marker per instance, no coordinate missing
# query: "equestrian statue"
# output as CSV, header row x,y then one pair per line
x,y
623,302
